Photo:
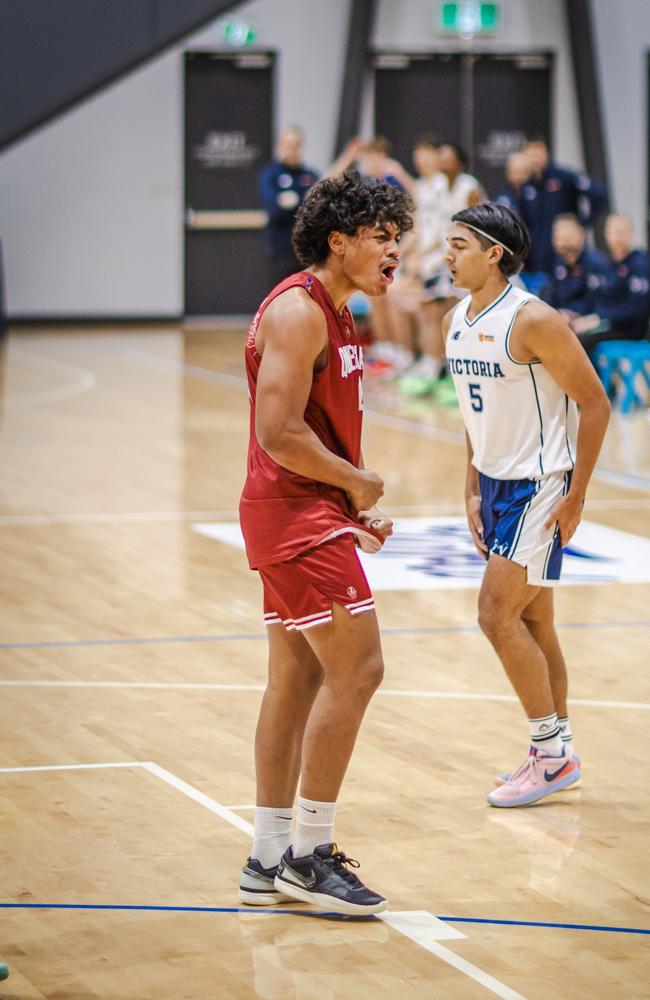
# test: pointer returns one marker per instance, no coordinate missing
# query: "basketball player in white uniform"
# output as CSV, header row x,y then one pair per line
x,y
450,190
520,376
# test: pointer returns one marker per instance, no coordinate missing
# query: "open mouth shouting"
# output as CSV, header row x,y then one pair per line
x,y
388,272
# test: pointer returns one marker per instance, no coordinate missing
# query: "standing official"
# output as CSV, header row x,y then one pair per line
x,y
550,191
283,185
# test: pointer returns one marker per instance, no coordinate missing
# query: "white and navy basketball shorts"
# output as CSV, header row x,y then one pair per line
x,y
513,512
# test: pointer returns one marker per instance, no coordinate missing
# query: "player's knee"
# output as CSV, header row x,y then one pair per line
x,y
490,620
370,675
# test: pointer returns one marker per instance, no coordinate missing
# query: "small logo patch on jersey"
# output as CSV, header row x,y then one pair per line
x,y
351,592
486,336
456,335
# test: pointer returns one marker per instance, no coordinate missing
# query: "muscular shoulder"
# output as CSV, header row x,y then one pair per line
x,y
293,319
536,325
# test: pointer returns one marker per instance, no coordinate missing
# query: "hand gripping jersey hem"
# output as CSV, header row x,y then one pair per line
x,y
367,540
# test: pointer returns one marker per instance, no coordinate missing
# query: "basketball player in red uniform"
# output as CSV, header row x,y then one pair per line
x,y
306,502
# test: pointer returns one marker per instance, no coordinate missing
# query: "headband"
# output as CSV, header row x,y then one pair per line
x,y
487,236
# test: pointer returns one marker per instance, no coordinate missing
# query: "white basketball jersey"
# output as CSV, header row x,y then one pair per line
x,y
431,223
521,424
456,197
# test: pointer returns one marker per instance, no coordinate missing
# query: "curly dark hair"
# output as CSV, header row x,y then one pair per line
x,y
505,226
346,204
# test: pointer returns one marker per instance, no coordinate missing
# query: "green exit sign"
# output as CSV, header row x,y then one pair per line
x,y
469,17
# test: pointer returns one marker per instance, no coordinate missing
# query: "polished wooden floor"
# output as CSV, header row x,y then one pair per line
x,y
130,641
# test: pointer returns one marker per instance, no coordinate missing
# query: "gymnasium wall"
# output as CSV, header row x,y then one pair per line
x,y
91,205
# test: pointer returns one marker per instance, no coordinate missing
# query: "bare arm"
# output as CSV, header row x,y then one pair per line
x,y
374,517
540,333
472,489
395,168
346,158
292,340
476,196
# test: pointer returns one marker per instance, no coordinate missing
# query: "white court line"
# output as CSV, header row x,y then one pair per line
x,y
426,930
203,800
197,686
127,517
180,516
82,381
420,926
72,767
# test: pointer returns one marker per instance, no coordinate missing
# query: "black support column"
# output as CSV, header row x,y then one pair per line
x,y
360,28
587,83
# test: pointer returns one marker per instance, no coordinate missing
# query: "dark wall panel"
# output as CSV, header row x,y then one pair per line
x,y
485,103
54,53
414,95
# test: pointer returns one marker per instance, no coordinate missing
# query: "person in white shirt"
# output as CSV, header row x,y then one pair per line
x,y
438,197
521,376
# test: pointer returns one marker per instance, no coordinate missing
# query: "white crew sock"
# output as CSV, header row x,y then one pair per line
x,y
566,734
545,735
272,834
314,826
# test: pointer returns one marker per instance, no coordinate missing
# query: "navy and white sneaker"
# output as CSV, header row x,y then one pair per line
x,y
323,879
256,885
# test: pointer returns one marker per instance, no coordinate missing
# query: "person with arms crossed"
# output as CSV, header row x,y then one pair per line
x,y
306,499
521,375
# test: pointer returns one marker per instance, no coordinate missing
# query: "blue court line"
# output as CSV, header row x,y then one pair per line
x,y
313,913
257,637
546,923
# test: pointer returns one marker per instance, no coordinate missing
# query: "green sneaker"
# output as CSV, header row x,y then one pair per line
x,y
4,971
445,393
416,385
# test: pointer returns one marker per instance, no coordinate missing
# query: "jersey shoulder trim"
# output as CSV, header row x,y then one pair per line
x,y
525,364
492,305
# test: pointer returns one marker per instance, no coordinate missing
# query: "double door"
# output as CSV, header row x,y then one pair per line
x,y
484,103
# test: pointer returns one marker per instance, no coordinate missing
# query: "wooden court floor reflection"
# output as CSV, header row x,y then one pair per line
x,y
132,662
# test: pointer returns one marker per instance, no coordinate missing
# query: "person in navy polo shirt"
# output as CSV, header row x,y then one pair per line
x,y
283,185
550,191
578,272
517,174
624,298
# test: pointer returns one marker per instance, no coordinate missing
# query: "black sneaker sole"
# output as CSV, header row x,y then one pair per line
x,y
330,903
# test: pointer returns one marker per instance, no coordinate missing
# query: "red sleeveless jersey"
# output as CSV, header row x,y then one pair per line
x,y
281,512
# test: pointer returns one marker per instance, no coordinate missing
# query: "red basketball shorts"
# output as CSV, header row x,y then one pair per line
x,y
299,593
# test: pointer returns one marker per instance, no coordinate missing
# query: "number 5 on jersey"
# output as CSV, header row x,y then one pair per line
x,y
475,396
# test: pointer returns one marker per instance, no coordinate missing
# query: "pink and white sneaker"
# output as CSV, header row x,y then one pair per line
x,y
538,776
502,778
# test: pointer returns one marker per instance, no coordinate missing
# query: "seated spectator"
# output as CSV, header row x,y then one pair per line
x,y
517,173
577,273
551,191
624,298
